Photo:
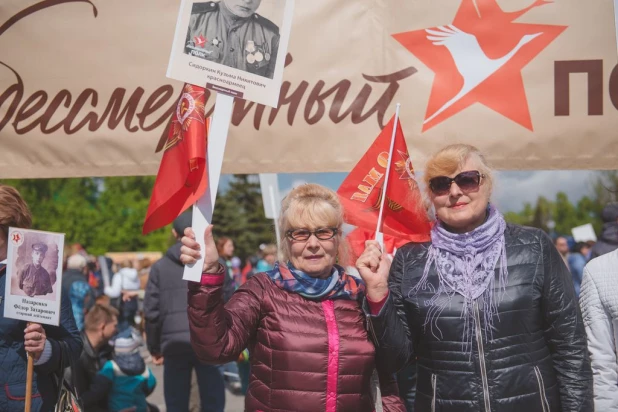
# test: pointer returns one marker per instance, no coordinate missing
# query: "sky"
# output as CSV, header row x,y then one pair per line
x,y
511,190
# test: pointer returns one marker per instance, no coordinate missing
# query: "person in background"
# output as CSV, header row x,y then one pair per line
x,y
225,248
143,271
249,269
268,260
99,328
94,276
126,280
126,378
577,261
608,240
599,303
18,338
75,286
562,245
236,271
167,333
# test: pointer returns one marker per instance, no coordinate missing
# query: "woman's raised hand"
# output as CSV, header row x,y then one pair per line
x,y
190,250
373,266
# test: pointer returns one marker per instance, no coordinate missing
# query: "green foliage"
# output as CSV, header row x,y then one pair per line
x,y
104,215
565,214
239,215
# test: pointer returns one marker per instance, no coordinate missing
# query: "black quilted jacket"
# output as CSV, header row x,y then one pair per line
x,y
537,360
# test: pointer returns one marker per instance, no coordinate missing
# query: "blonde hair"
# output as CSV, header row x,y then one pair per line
x,y
452,157
310,206
269,249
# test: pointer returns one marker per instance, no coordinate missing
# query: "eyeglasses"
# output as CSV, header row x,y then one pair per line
x,y
324,233
467,181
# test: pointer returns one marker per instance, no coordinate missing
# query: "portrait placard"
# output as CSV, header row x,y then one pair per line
x,y
34,276
233,47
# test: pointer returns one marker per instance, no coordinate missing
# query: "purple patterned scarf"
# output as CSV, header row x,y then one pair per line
x,y
465,264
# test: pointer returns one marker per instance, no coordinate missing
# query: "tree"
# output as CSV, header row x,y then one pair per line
x,y
542,214
104,215
121,207
239,215
567,215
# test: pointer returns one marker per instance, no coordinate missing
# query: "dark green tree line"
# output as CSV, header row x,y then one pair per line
x,y
564,214
106,214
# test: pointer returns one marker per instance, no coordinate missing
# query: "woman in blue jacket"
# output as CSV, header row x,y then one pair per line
x,y
42,341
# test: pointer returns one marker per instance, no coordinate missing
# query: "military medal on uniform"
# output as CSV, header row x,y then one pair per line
x,y
251,58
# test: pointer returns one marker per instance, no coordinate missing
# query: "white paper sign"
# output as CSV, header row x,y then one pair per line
x,y
233,47
34,276
204,207
584,233
269,186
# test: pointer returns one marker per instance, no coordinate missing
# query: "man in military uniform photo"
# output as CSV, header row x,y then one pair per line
x,y
34,280
229,32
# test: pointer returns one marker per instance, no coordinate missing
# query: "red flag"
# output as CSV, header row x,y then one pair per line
x,y
361,192
356,239
181,179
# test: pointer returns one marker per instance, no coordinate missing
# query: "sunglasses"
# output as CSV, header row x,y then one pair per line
x,y
467,181
325,233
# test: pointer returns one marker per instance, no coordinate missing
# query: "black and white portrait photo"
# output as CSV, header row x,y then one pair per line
x,y
34,275
235,47
33,278
235,34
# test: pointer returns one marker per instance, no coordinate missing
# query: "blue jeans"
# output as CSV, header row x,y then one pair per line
x,y
177,384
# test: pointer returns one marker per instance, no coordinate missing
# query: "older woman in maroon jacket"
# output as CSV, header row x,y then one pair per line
x,y
302,321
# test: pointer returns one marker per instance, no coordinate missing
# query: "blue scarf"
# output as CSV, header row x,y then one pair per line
x,y
339,285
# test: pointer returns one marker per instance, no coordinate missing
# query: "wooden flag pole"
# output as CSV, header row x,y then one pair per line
x,y
379,236
29,372
204,207
29,383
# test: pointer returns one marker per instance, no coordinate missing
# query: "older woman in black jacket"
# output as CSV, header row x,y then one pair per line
x,y
488,308
42,341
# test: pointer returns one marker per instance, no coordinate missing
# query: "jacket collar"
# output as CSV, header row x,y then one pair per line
x,y
87,346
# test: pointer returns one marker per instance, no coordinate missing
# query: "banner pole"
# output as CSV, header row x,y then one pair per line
x,y
379,236
276,219
205,205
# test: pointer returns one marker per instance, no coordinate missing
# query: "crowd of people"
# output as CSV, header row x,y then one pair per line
x,y
487,316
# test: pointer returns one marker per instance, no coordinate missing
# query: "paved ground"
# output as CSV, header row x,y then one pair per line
x,y
233,403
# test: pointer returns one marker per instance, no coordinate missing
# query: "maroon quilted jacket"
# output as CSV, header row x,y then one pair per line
x,y
305,355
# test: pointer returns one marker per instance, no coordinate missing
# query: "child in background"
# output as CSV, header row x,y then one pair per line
x,y
128,378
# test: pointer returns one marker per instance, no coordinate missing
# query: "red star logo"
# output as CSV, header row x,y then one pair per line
x,y
200,40
478,59
16,237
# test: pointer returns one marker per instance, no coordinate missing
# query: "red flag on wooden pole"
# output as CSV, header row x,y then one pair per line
x,y
361,192
181,179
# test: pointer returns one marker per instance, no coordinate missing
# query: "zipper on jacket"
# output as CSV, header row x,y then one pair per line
x,y
372,331
332,372
539,379
479,342
433,387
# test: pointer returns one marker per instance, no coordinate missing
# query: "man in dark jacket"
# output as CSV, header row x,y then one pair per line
x,y
167,330
75,286
608,241
99,327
